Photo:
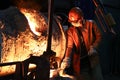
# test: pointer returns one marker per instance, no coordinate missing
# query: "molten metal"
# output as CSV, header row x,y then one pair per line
x,y
17,45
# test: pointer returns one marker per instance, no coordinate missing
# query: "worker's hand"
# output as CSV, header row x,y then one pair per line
x,y
92,51
65,63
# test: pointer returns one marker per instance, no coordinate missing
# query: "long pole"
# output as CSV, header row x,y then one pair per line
x,y
50,22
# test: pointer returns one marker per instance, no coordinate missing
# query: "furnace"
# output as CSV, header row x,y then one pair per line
x,y
23,32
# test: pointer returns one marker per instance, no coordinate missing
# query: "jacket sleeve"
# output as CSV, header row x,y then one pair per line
x,y
96,35
69,43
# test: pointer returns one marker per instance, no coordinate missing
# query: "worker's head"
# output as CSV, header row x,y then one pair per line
x,y
75,17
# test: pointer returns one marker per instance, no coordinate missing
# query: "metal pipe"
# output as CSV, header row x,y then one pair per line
x,y
50,22
100,21
9,63
102,12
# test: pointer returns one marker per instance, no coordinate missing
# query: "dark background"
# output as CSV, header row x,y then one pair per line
x,y
110,51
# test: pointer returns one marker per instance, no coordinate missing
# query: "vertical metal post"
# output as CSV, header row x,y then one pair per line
x,y
49,53
50,22
100,12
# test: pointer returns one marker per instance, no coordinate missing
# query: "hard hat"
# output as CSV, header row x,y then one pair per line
x,y
75,14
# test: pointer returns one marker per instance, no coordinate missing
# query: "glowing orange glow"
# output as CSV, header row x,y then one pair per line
x,y
25,44
33,20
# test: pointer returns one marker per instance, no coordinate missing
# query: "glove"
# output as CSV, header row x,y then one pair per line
x,y
92,51
65,63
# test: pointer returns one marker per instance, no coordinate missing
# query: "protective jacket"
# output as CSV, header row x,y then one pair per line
x,y
92,36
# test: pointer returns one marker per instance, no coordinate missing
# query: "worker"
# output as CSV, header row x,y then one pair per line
x,y
82,53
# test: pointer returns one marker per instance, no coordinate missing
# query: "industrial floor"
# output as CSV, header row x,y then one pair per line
x,y
106,77
112,77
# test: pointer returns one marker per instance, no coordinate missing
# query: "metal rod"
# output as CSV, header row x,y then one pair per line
x,y
103,13
100,21
9,63
50,22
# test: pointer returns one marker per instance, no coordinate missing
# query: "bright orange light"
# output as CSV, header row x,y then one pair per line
x,y
34,20
25,43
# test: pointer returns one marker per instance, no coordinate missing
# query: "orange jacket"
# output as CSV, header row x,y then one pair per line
x,y
92,36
